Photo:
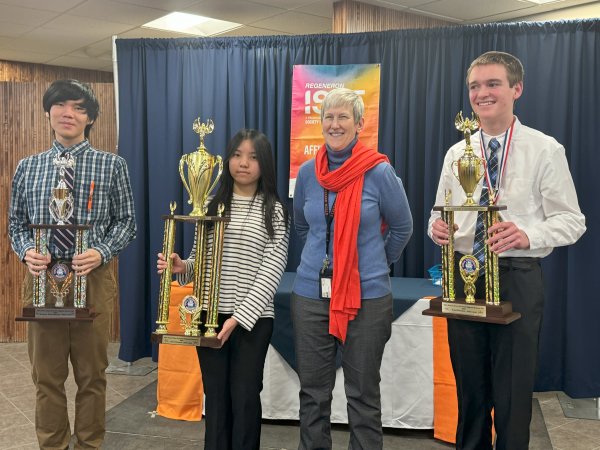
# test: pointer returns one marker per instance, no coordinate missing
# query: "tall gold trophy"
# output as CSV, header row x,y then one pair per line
x,y
59,276
197,181
469,169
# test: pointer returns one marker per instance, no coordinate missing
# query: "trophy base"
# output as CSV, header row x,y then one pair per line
x,y
31,313
180,339
479,311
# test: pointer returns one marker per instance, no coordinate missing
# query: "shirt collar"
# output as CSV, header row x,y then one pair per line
x,y
74,150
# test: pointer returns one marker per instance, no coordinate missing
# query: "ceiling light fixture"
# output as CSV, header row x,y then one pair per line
x,y
541,2
191,24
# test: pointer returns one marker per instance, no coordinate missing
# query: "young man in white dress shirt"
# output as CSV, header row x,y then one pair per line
x,y
495,365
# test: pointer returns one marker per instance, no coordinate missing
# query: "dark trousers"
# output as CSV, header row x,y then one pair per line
x,y
233,379
495,365
361,362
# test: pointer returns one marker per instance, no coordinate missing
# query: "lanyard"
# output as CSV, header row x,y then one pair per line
x,y
328,220
494,190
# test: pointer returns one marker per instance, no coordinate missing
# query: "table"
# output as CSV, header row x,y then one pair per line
x,y
406,378
406,370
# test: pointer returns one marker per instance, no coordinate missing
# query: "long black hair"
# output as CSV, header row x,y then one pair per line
x,y
267,185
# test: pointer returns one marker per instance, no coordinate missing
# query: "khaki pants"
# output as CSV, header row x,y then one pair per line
x,y
51,344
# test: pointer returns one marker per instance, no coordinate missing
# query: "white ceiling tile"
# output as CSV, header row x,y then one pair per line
x,y
51,42
46,5
102,49
239,11
4,40
24,56
250,31
396,4
165,5
138,33
25,16
12,29
87,27
285,4
468,10
82,63
113,11
323,8
295,23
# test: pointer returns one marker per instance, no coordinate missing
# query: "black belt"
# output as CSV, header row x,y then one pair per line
x,y
513,262
518,262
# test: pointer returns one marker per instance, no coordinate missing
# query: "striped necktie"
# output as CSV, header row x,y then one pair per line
x,y
480,231
64,238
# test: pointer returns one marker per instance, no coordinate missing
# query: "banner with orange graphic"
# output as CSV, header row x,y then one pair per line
x,y
310,85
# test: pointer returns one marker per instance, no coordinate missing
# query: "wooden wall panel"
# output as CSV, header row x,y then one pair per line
x,y
25,131
27,72
354,17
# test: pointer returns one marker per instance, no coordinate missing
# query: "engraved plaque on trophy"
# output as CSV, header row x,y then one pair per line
x,y
198,182
469,169
59,279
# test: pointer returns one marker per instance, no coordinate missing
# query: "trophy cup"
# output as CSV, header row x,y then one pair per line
x,y
469,169
200,168
59,275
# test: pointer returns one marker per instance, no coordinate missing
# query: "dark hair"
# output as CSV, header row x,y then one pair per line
x,y
266,183
63,90
514,68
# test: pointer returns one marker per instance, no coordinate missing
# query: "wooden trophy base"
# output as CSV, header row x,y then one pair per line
x,y
181,339
479,311
31,313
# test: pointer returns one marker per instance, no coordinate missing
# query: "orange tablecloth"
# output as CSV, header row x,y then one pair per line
x,y
445,404
179,389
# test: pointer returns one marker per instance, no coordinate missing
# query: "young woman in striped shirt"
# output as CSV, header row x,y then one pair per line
x,y
254,258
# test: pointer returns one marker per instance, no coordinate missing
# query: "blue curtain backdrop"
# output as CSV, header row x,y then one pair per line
x,y
164,84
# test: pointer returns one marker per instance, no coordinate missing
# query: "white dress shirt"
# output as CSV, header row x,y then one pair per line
x,y
536,187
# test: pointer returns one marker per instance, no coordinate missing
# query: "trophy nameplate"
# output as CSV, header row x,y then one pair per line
x,y
469,171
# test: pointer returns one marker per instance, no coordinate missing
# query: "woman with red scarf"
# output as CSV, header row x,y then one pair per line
x,y
343,200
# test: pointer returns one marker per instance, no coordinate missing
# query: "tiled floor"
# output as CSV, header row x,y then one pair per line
x,y
17,403
17,396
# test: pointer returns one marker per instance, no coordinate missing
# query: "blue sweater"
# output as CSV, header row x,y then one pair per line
x,y
383,197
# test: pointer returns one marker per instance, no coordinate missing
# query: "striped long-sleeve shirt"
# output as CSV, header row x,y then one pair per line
x,y
253,263
112,214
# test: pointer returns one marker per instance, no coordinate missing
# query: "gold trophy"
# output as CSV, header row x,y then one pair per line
x,y
469,167
200,168
59,275
469,171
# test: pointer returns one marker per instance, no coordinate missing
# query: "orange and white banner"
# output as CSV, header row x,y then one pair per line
x,y
310,85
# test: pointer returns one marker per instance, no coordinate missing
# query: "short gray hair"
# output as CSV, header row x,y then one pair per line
x,y
341,97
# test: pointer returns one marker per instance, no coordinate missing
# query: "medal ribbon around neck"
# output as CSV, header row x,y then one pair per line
x,y
502,164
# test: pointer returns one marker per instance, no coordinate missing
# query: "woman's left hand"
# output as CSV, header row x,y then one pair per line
x,y
227,329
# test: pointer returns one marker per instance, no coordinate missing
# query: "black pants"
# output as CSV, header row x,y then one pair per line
x,y
233,379
495,365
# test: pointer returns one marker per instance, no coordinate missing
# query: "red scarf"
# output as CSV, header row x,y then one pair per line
x,y
347,181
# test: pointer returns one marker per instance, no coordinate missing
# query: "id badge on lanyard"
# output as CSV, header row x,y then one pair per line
x,y
326,272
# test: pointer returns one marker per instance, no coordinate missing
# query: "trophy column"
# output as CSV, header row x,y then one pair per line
x,y
206,285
